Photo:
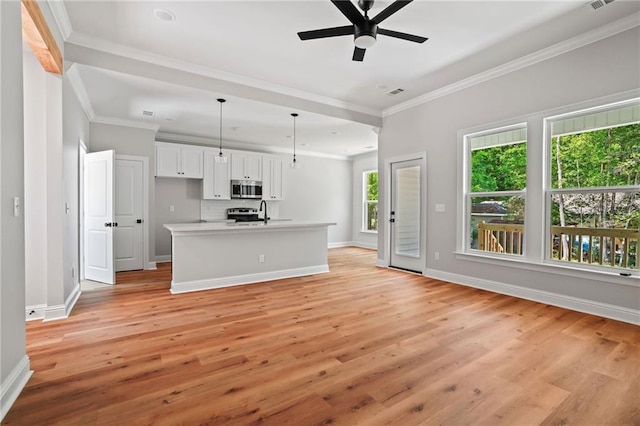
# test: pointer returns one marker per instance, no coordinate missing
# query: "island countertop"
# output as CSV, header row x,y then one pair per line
x,y
177,229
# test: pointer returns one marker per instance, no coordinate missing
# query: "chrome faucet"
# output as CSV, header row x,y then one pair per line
x,y
265,210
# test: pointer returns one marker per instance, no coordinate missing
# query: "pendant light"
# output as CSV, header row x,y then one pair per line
x,y
221,158
294,163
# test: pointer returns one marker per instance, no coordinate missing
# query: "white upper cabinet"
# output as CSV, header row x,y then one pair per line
x,y
176,160
216,183
245,165
272,182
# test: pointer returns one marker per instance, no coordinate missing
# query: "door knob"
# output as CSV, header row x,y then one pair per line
x,y
392,220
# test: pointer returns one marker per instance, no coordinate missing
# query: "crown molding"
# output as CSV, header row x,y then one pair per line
x,y
61,17
231,144
91,42
557,49
115,121
81,93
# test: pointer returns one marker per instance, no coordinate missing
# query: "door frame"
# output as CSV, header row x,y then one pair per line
x,y
422,158
145,205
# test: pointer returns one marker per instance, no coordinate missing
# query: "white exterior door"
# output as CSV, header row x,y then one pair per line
x,y
128,234
99,216
406,216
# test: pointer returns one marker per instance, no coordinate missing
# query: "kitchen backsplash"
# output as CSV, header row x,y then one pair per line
x,y
217,209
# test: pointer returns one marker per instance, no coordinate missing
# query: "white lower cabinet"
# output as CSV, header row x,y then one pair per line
x,y
272,182
216,184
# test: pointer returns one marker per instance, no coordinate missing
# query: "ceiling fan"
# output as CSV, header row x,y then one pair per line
x,y
363,28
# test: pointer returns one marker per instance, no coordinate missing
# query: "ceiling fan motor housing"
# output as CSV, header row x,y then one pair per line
x,y
365,34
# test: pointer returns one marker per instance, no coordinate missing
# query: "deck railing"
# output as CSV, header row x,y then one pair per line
x,y
603,246
500,237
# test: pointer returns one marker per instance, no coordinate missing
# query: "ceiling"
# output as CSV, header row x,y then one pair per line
x,y
248,52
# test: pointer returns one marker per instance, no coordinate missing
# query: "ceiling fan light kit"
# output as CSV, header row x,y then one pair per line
x,y
364,29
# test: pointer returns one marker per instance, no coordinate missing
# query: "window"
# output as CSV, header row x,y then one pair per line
x,y
496,178
370,196
593,189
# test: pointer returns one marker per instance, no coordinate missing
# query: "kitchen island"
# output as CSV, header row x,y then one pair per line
x,y
212,255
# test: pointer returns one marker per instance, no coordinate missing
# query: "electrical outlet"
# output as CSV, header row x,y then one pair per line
x,y
261,258
172,208
436,255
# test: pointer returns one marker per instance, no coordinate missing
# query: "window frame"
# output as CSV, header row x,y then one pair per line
x,y
549,191
366,202
467,194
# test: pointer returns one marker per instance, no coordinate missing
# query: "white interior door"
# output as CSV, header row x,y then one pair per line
x,y
128,234
99,216
405,216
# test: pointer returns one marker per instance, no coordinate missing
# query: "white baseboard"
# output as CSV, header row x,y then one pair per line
x,y
163,259
569,302
380,263
189,286
56,312
35,312
340,244
370,246
13,385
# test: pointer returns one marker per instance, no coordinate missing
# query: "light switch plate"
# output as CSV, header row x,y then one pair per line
x,y
440,208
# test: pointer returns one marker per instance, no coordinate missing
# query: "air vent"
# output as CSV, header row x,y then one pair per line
x,y
597,4
395,92
147,113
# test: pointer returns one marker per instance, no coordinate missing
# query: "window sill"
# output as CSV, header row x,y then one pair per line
x,y
552,267
362,231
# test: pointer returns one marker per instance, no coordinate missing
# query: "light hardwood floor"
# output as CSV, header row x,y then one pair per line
x,y
359,345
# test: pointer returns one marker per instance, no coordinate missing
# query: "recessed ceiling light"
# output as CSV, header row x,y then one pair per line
x,y
335,133
304,144
170,119
235,128
289,136
164,15
147,113
381,86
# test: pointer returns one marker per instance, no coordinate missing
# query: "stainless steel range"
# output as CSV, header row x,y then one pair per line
x,y
243,214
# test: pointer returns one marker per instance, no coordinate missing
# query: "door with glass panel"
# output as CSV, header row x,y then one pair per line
x,y
405,216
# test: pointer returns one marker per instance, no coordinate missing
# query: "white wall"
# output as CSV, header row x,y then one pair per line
x,y
185,195
75,128
603,68
320,190
362,163
130,141
14,362
35,181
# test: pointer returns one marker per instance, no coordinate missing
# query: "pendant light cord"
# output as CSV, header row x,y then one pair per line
x,y
221,102
294,115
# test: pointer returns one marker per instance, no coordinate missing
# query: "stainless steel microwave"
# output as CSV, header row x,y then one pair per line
x,y
246,189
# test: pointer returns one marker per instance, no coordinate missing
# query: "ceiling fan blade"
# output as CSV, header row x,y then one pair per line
x,y
358,54
390,10
326,32
403,36
349,10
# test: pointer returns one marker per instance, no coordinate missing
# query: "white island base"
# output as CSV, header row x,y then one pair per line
x,y
212,255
